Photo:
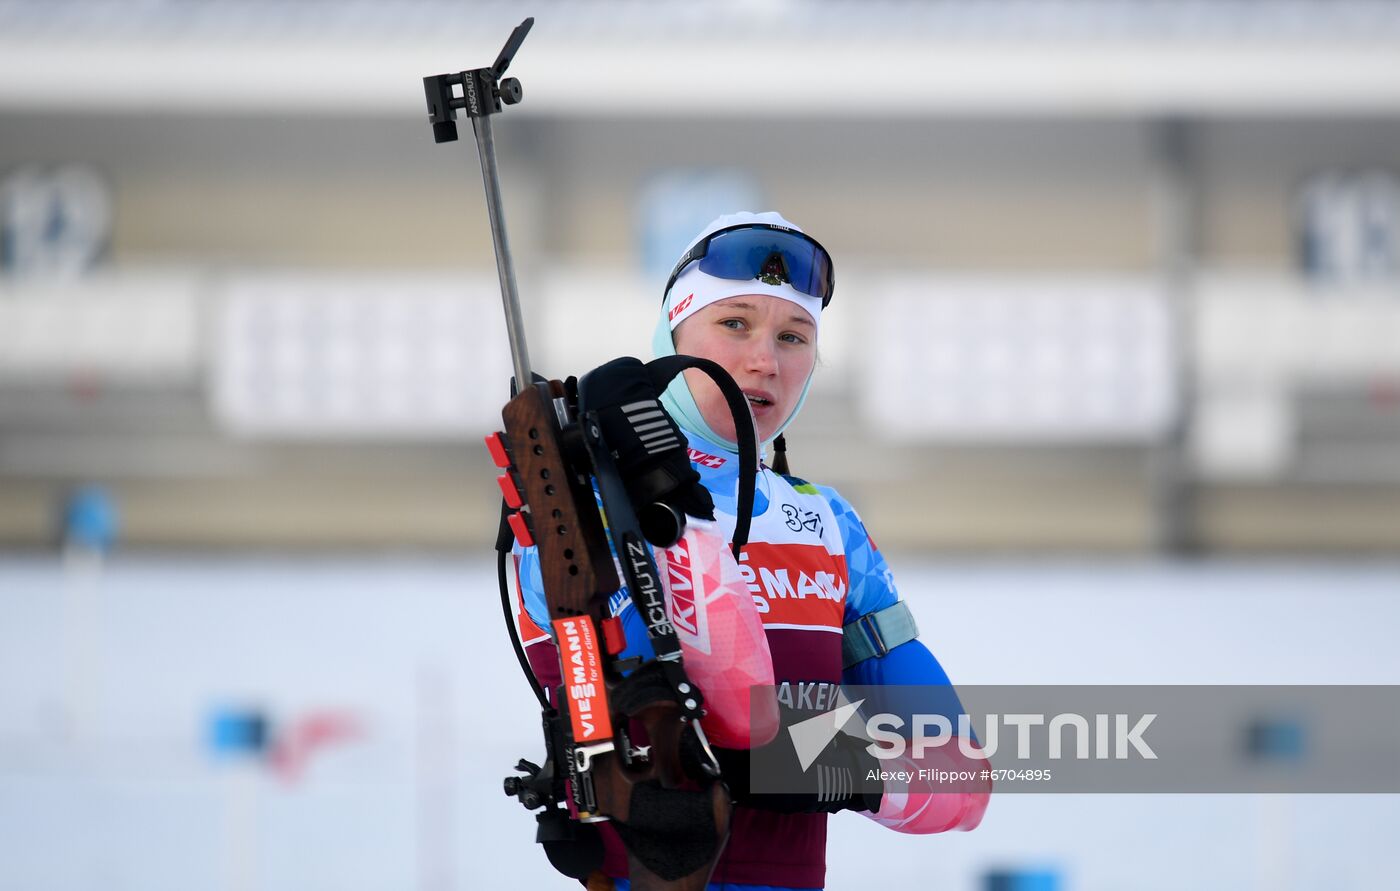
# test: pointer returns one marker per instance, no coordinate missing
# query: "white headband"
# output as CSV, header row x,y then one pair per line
x,y
695,290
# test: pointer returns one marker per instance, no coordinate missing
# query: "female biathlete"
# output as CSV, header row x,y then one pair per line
x,y
748,293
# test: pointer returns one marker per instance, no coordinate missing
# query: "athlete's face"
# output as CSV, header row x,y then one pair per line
x,y
767,344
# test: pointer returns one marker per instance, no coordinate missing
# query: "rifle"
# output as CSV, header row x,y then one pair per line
x,y
666,798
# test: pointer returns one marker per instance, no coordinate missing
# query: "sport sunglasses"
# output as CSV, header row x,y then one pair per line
x,y
770,254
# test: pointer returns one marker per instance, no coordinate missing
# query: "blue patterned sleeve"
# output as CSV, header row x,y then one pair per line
x,y
532,585
871,585
620,604
532,581
870,588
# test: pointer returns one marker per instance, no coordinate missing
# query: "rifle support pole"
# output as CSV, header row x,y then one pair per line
x,y
480,93
505,268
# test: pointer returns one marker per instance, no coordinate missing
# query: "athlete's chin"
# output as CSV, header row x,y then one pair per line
x,y
767,420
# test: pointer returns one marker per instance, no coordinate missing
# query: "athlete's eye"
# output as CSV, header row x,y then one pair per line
x,y
790,337
732,324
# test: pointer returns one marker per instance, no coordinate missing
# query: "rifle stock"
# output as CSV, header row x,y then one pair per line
x,y
673,816
577,569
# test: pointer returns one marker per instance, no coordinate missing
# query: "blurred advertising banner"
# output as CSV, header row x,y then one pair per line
x,y
1020,359
342,357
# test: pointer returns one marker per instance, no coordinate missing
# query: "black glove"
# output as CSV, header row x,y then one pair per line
x,y
649,448
838,780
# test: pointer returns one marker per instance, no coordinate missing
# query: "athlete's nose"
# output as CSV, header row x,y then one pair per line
x,y
762,358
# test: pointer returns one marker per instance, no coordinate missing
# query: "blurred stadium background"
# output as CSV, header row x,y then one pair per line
x,y
1112,371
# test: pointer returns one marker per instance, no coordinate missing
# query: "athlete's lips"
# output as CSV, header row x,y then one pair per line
x,y
752,394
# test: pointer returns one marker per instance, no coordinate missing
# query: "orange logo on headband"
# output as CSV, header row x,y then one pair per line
x,y
679,308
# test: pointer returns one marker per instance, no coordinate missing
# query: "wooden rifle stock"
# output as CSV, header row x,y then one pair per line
x,y
553,472
577,569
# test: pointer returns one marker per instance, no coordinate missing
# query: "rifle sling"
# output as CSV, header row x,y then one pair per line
x,y
663,370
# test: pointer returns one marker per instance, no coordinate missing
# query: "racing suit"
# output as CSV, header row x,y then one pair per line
x,y
812,569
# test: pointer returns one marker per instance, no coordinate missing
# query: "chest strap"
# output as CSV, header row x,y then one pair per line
x,y
875,634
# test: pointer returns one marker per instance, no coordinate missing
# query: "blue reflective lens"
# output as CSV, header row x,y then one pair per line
x,y
769,255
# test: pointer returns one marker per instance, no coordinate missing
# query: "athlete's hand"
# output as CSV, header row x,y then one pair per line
x,y
837,780
942,790
649,448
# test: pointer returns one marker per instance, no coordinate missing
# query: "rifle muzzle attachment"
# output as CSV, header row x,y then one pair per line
x,y
662,525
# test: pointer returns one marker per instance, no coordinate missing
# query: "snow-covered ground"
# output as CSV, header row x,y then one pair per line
x,y
107,681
